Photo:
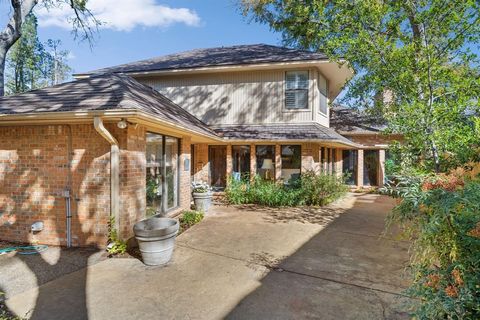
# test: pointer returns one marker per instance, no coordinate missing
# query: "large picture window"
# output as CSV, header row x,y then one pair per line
x,y
291,162
266,161
241,161
296,91
162,173
350,158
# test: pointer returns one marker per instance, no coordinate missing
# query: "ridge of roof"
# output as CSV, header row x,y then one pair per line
x,y
218,56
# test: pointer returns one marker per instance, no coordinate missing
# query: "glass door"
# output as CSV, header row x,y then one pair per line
x,y
162,177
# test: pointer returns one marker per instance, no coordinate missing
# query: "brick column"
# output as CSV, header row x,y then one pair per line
x,y
316,158
381,167
278,162
339,163
185,178
360,168
253,161
229,161
201,162
307,157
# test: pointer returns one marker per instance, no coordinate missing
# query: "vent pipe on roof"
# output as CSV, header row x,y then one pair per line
x,y
114,170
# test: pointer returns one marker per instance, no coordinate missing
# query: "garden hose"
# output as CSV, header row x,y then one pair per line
x,y
25,249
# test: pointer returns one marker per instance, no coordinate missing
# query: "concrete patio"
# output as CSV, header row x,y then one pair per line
x,y
246,263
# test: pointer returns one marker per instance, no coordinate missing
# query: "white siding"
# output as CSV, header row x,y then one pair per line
x,y
236,97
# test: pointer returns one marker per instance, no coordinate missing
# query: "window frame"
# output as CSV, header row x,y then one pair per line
x,y
308,89
164,202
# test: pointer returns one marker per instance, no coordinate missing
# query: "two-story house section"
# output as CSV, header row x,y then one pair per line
x,y
126,141
268,104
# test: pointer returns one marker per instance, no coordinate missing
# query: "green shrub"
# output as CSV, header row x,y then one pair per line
x,y
115,244
311,189
190,218
321,189
442,216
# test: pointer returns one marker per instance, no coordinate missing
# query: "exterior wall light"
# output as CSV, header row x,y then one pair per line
x,y
122,124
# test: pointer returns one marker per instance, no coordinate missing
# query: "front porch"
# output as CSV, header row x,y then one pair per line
x,y
284,161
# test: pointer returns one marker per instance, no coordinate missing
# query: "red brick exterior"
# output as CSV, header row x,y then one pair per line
x,y
37,164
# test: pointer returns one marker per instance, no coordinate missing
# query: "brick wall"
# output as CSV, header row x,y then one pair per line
x,y
185,179
201,162
35,171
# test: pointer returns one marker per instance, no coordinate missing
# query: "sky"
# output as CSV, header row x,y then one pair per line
x,y
140,29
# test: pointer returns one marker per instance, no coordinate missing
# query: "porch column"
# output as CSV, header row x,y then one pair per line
x,y
253,162
307,157
360,168
339,163
278,162
201,162
184,170
381,167
229,161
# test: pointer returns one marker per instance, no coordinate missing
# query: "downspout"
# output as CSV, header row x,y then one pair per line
x,y
68,190
114,170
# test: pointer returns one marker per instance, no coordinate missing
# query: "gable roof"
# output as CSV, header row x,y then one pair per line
x,y
352,121
283,132
102,93
221,56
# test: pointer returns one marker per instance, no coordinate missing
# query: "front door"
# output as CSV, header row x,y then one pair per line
x,y
217,157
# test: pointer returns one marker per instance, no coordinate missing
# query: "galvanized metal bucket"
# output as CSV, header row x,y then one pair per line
x,y
156,239
202,201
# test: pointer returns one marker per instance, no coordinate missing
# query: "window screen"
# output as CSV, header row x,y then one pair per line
x,y
296,92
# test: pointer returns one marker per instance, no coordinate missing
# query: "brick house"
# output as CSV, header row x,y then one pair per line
x,y
128,140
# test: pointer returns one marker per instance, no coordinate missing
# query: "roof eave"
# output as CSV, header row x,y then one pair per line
x,y
78,117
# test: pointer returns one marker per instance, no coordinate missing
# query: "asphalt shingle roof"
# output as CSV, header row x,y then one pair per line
x,y
100,93
351,121
311,131
221,56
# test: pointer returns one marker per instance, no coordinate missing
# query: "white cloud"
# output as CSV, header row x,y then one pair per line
x,y
122,15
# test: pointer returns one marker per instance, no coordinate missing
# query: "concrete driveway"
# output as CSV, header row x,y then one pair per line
x,y
247,263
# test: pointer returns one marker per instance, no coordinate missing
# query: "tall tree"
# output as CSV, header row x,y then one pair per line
x,y
23,69
31,64
83,25
418,50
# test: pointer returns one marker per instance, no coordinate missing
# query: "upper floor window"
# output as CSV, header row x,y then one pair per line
x,y
296,91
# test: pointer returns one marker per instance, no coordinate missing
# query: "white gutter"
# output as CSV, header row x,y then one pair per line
x,y
114,170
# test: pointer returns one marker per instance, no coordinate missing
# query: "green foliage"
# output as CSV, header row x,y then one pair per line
x,y
311,189
442,216
420,52
31,64
190,218
115,244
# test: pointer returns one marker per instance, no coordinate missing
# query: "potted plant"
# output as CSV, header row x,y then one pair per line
x,y
202,196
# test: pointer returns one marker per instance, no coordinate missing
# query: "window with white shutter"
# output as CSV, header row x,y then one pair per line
x,y
296,91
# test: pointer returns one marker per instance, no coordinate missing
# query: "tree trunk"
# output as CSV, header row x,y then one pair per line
x,y
3,54
12,33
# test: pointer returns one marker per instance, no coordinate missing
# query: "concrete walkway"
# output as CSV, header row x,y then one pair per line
x,y
248,263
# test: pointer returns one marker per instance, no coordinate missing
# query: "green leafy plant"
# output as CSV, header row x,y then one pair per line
x,y
311,189
190,218
441,214
115,244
